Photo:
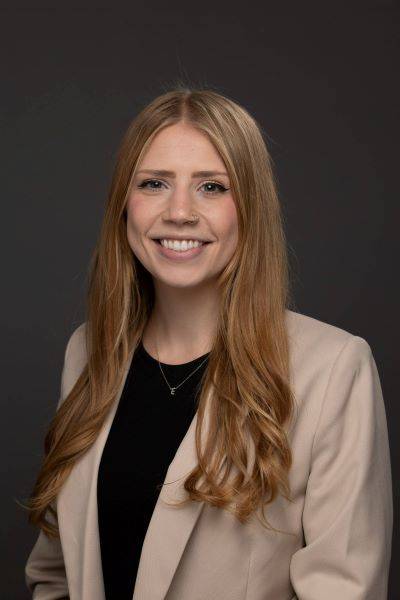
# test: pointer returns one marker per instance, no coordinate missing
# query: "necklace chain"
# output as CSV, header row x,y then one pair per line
x,y
172,389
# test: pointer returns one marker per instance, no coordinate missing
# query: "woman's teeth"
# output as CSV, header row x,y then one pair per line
x,y
180,245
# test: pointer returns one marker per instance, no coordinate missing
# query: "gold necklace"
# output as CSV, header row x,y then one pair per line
x,y
172,389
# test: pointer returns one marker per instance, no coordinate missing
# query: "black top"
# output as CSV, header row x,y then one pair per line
x,y
146,431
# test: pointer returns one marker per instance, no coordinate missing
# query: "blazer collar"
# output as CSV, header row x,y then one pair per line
x,y
168,532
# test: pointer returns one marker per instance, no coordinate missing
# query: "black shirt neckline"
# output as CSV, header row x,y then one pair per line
x,y
153,361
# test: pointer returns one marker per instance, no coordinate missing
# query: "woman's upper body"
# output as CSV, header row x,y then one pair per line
x,y
336,533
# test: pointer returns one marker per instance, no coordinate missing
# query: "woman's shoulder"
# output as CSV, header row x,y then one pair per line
x,y
75,358
311,339
305,334
76,345
313,343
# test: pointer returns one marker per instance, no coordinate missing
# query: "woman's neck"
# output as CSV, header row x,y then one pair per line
x,y
180,328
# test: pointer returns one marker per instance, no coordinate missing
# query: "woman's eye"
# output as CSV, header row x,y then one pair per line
x,y
145,183
207,186
220,187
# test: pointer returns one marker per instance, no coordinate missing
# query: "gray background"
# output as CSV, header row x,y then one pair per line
x,y
322,81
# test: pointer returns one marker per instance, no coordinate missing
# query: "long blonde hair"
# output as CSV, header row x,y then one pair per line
x,y
248,366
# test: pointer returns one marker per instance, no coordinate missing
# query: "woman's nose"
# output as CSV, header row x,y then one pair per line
x,y
180,204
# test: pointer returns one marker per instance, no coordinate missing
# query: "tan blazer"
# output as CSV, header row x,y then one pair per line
x,y
340,521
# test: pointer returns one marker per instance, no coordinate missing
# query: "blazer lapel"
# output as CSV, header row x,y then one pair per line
x,y
170,527
168,532
78,517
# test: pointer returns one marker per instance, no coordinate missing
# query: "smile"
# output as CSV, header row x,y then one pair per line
x,y
178,252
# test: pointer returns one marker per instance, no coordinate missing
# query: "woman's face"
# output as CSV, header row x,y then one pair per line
x,y
167,193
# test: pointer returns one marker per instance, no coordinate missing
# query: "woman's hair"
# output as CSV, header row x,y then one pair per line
x,y
246,457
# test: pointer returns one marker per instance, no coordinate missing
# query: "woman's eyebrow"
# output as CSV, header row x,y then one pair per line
x,y
164,173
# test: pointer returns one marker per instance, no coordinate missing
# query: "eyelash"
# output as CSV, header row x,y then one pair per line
x,y
222,188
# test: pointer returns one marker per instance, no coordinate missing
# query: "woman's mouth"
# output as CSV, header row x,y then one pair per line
x,y
180,254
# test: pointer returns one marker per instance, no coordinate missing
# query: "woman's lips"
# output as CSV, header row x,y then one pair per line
x,y
180,256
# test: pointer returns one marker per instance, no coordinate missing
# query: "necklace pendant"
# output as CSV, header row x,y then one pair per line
x,y
172,391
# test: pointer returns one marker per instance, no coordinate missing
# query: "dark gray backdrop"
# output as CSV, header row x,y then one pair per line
x,y
323,82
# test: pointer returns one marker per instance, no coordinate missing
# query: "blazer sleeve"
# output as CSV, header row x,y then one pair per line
x,y
45,574
348,511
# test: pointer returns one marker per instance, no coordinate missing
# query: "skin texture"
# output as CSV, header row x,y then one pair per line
x,y
184,316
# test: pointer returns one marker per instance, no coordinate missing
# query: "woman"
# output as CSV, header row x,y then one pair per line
x,y
210,442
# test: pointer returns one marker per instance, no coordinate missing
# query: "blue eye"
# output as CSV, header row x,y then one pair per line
x,y
146,182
